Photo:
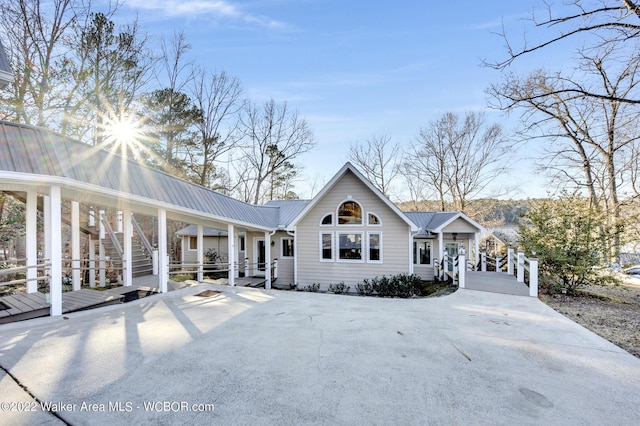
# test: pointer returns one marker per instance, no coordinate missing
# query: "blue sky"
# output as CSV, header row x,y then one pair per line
x,y
353,69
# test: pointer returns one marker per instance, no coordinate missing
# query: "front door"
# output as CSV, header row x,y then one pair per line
x,y
451,249
259,258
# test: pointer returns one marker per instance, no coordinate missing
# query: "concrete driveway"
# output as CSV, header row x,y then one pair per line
x,y
247,356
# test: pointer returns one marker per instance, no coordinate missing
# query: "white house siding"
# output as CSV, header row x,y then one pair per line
x,y
396,254
219,244
460,226
285,264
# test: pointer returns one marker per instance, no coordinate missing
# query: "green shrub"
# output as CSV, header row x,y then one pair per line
x,y
339,288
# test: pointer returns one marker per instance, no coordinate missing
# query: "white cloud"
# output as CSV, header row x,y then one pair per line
x,y
208,9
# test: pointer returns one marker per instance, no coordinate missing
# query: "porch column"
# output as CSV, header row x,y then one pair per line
x,y
267,260
31,228
102,264
75,245
231,249
47,230
163,266
200,254
54,238
477,248
510,260
92,262
520,270
127,274
462,269
441,254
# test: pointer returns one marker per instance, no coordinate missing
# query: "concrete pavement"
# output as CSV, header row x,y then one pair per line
x,y
249,356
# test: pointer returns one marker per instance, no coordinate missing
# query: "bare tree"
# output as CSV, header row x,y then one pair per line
x,y
459,158
217,96
273,138
609,22
589,140
378,159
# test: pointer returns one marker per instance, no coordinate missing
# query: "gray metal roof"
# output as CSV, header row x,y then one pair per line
x,y
27,149
6,73
289,209
429,221
192,230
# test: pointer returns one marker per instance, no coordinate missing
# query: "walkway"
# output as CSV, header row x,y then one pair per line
x,y
277,357
495,282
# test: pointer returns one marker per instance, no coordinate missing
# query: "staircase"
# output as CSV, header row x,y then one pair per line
x,y
142,265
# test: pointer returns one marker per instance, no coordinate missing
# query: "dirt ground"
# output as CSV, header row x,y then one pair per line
x,y
611,311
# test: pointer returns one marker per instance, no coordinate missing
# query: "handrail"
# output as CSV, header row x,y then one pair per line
x,y
143,238
112,235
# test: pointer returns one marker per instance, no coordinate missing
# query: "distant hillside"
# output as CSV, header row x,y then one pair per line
x,y
487,211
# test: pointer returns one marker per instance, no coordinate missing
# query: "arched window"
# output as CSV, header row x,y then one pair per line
x,y
349,213
373,219
327,220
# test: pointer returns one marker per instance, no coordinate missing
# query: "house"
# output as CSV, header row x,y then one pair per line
x,y
348,232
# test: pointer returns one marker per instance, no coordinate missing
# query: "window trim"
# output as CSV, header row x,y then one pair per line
x,y
323,218
363,247
369,221
191,238
415,255
362,213
321,248
379,234
282,255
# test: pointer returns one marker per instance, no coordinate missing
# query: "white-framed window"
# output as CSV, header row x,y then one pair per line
x,y
326,247
422,253
374,247
193,243
327,220
373,219
349,213
350,247
286,247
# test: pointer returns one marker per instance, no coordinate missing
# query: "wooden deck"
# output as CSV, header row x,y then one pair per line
x,y
23,306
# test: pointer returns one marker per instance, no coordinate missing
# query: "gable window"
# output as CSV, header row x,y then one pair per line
x,y
193,243
373,219
349,213
327,220
326,246
287,247
422,252
350,246
375,247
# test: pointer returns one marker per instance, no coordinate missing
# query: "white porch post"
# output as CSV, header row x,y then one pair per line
x,y
75,245
520,271
102,264
441,254
163,266
483,261
92,262
127,274
200,255
533,277
476,239
31,228
47,230
462,269
267,260
119,222
231,249
54,237
510,261
295,255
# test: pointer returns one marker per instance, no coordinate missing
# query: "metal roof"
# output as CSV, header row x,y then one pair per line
x,y
289,209
192,230
429,222
27,149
